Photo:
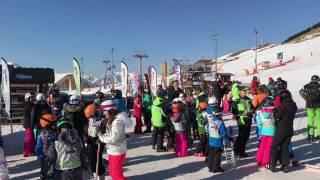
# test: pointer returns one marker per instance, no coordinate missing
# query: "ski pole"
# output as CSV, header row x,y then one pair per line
x,y
97,163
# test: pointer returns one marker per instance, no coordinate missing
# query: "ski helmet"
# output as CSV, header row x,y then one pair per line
x,y
64,121
75,100
285,95
108,105
47,120
268,102
315,78
281,84
40,97
89,110
203,105
212,100
116,94
99,95
28,95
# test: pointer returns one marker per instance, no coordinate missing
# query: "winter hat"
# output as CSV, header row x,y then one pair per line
x,y
47,120
108,105
64,121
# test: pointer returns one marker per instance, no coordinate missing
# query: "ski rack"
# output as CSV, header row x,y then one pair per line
x,y
228,152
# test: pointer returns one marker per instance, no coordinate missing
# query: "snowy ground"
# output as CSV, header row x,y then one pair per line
x,y
144,163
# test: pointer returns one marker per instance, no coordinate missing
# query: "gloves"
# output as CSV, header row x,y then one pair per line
x,y
101,128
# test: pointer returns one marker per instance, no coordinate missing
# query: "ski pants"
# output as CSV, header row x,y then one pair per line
x,y
280,149
116,163
214,159
242,139
29,143
147,119
93,156
264,150
157,137
313,121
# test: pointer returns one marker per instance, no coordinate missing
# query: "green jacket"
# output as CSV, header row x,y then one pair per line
x,y
147,102
157,113
201,123
235,92
244,111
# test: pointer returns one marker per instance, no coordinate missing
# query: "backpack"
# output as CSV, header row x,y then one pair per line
x,y
312,92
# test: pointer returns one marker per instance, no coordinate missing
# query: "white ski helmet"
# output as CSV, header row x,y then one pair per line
x,y
40,97
212,100
108,105
75,100
28,95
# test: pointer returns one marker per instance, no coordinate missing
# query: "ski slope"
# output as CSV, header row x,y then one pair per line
x,y
296,73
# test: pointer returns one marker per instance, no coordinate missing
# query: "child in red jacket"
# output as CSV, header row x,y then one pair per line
x,y
137,112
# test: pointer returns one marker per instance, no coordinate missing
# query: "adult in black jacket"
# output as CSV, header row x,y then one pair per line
x,y
40,108
75,112
311,93
218,92
284,117
173,91
29,141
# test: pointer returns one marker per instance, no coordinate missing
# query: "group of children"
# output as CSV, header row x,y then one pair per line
x,y
70,144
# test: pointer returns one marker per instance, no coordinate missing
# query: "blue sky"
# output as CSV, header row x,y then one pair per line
x,y
48,33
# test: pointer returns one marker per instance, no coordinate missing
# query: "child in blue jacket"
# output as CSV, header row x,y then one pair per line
x,y
217,136
46,137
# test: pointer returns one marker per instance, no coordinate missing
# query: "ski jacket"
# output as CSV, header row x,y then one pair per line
x,y
27,122
235,92
76,114
178,122
115,136
311,93
146,102
68,151
172,93
265,121
284,117
44,141
202,97
39,109
254,87
217,131
258,99
201,122
244,111
121,105
137,108
157,113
